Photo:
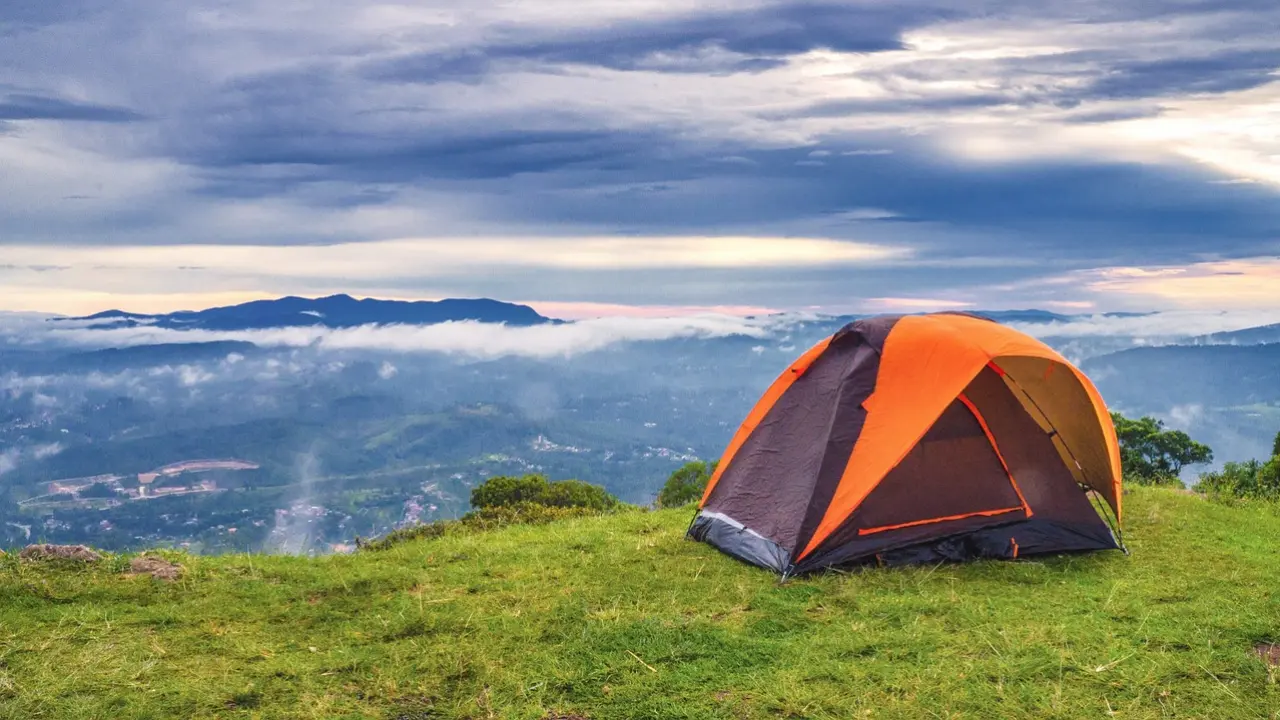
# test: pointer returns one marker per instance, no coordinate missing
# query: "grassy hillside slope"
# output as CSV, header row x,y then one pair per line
x,y
620,617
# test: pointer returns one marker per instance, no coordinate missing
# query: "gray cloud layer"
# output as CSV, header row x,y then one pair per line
x,y
1021,138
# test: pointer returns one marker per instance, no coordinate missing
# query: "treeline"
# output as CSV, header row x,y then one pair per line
x,y
1153,455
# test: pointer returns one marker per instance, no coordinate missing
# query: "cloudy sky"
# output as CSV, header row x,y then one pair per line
x,y
642,156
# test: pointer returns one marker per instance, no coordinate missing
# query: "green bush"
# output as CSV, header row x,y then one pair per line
x,y
509,490
506,491
576,494
1250,480
687,484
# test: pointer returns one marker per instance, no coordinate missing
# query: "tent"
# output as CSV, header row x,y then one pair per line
x,y
919,438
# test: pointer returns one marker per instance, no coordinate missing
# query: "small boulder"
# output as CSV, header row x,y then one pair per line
x,y
156,567
45,551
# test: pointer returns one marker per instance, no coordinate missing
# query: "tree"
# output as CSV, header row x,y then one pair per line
x,y
1275,447
1150,454
99,490
687,484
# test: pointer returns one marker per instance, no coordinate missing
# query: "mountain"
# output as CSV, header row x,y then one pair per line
x,y
142,356
1247,336
620,617
335,311
1025,316
1221,375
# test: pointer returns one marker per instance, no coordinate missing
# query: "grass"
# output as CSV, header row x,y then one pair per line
x,y
620,617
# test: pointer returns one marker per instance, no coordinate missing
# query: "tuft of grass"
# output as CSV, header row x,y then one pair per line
x,y
490,518
619,616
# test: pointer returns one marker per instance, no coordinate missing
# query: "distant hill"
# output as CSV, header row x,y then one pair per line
x,y
1171,375
137,356
335,311
1247,336
1024,316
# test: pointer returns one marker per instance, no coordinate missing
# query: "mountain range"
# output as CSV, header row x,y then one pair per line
x,y
344,311
334,311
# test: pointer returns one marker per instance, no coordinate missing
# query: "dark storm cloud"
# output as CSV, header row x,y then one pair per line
x,y
1213,74
19,106
755,40
1054,208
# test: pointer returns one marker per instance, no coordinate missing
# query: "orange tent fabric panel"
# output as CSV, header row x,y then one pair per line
x,y
762,408
1070,403
925,365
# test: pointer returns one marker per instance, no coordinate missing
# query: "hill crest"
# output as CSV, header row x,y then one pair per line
x,y
333,311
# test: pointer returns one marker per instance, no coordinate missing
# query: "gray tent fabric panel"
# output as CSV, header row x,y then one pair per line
x,y
781,480
846,425
769,483
732,538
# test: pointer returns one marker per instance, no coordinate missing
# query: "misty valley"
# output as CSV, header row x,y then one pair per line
x,y
261,431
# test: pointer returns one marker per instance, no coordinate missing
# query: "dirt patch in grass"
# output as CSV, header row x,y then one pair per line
x,y
80,553
156,567
1269,652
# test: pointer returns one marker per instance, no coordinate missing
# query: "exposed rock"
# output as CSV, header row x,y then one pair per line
x,y
156,567
43,551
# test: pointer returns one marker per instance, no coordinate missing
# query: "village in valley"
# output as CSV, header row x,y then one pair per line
x,y
111,490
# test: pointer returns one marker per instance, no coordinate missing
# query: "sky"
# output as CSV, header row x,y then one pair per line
x,y
644,157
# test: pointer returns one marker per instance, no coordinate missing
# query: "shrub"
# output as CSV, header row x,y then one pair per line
x,y
1250,480
577,494
507,491
687,484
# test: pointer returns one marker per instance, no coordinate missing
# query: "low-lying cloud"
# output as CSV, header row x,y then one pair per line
x,y
467,338
1170,326
486,341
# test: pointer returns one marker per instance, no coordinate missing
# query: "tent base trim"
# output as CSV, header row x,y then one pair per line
x,y
1007,541
735,539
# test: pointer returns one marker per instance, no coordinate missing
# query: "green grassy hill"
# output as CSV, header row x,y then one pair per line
x,y
620,617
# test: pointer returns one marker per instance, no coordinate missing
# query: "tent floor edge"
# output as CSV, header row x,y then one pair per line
x,y
732,538
1007,541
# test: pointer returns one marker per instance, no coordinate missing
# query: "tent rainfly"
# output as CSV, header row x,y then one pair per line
x,y
919,438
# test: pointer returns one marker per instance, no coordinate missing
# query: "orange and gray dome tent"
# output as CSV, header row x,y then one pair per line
x,y
918,438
